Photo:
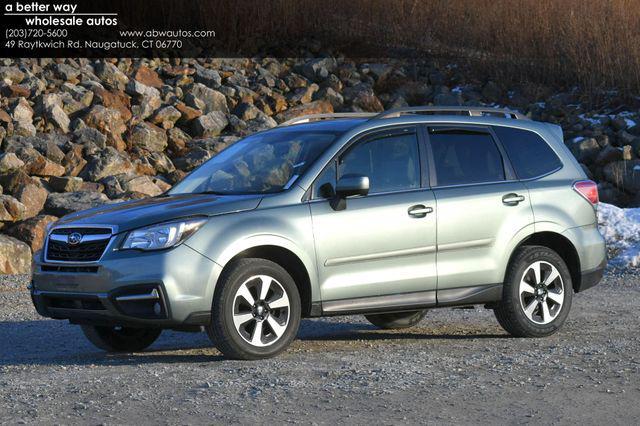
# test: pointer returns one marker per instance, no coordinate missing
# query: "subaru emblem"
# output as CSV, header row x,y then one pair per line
x,y
74,238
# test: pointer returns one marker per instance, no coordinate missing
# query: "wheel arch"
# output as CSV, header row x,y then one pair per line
x,y
287,259
561,245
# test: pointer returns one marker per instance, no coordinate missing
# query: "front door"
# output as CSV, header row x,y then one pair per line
x,y
383,243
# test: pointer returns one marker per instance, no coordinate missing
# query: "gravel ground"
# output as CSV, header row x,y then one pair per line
x,y
457,366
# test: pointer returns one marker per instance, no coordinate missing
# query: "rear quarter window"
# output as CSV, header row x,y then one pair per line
x,y
529,154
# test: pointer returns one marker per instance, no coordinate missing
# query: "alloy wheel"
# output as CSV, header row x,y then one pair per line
x,y
541,292
261,310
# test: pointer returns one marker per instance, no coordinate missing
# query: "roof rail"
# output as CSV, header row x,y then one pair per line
x,y
328,116
452,110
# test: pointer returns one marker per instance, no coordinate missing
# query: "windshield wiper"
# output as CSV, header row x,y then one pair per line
x,y
212,193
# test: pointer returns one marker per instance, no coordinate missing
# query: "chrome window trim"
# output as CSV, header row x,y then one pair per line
x,y
114,231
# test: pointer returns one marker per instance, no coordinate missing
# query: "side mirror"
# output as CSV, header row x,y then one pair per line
x,y
349,186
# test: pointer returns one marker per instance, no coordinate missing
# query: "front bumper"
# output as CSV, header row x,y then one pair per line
x,y
169,288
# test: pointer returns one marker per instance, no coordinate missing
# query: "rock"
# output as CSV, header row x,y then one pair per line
x,y
66,72
110,75
16,91
11,73
112,187
319,69
65,184
32,231
315,107
15,256
176,176
105,163
146,107
303,95
177,140
261,122
208,77
148,136
143,185
166,117
585,149
74,161
9,161
155,162
187,113
213,100
362,98
135,88
618,123
115,99
192,159
246,111
109,122
625,138
21,111
447,99
607,155
57,116
88,135
332,96
148,77
60,204
26,190
42,166
211,124
11,210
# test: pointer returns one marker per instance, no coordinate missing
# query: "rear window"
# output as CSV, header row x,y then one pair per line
x,y
529,154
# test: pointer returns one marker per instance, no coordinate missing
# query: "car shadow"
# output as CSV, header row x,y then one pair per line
x,y
50,342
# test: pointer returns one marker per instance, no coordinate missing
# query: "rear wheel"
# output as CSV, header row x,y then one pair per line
x,y
537,293
120,339
396,320
256,310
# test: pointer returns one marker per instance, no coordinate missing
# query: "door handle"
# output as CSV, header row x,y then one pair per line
x,y
512,199
419,210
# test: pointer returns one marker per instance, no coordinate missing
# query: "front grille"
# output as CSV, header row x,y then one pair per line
x,y
85,251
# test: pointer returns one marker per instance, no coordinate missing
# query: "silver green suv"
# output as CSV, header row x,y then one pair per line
x,y
383,215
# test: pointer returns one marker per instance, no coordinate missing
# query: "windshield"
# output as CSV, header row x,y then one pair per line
x,y
263,163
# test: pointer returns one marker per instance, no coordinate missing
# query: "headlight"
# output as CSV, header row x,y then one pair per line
x,y
162,235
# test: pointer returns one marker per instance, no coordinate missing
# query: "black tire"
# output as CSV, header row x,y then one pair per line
x,y
121,339
510,312
396,320
223,332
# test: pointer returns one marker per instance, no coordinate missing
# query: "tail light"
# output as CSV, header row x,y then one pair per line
x,y
588,189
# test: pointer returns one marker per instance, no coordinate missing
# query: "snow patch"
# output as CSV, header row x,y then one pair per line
x,y
621,230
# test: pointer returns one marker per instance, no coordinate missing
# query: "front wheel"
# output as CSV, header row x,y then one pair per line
x,y
537,293
120,339
256,310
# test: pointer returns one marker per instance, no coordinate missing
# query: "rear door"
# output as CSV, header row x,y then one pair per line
x,y
481,207
383,243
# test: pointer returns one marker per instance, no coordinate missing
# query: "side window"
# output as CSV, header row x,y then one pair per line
x,y
464,157
529,153
391,162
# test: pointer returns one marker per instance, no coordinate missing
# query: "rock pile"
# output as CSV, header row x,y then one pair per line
x,y
78,133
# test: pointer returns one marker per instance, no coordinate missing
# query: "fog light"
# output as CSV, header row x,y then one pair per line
x,y
157,309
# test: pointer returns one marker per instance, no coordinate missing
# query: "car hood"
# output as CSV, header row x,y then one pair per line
x,y
134,214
